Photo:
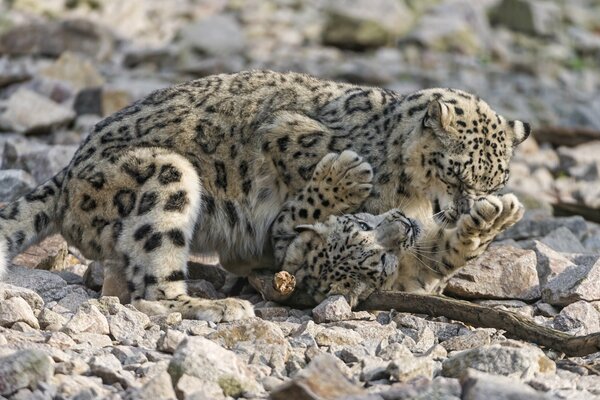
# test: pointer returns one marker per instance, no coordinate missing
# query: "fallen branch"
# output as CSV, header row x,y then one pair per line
x,y
563,136
568,209
515,325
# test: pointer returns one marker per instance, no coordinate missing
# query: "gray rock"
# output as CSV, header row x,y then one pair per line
x,y
128,355
500,273
48,285
563,241
78,72
24,369
108,367
51,321
40,160
14,183
373,369
93,277
529,228
527,16
508,358
32,298
322,379
13,72
471,340
410,367
219,35
54,38
170,340
14,310
127,323
332,309
28,112
157,387
360,24
579,318
481,386
211,364
578,281
89,319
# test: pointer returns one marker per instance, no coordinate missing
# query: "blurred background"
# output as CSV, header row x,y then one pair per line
x,y
65,64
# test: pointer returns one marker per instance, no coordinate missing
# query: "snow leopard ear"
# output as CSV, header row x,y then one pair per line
x,y
439,116
316,229
521,131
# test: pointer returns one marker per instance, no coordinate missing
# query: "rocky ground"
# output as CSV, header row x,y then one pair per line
x,y
65,64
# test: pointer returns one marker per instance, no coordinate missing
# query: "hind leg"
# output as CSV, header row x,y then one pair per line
x,y
143,218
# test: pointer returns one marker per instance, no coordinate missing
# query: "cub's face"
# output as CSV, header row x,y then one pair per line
x,y
469,146
353,254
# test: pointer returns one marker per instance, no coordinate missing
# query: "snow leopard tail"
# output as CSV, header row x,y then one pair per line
x,y
29,219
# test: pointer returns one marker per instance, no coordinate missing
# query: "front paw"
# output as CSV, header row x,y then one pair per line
x,y
489,216
343,179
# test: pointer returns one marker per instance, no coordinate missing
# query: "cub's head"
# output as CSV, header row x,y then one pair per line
x,y
350,255
465,147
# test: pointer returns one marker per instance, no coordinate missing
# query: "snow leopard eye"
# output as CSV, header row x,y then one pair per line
x,y
364,226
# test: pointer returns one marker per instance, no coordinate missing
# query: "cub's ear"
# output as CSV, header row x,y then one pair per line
x,y
521,131
438,116
316,230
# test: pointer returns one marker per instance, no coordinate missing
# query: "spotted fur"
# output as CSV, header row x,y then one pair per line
x,y
209,164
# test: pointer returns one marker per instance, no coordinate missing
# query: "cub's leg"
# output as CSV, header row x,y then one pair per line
x,y
339,184
141,215
453,248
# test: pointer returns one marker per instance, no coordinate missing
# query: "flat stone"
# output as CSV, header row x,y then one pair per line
x,y
89,319
563,241
14,183
71,68
360,25
24,369
127,323
482,386
578,281
30,113
500,273
322,379
579,318
332,309
14,310
529,228
49,286
219,35
471,340
158,387
409,367
509,358
211,364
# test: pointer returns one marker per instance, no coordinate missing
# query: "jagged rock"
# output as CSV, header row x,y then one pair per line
x,y
49,286
322,379
332,309
481,386
158,387
502,272
563,240
14,310
40,160
508,358
579,318
360,24
170,340
530,228
89,319
24,369
471,340
409,367
108,367
127,323
54,38
71,68
211,364
527,16
34,300
12,72
219,35
30,113
14,183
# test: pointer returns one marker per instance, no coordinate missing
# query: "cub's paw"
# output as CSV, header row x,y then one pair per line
x,y
224,310
343,179
490,215
512,212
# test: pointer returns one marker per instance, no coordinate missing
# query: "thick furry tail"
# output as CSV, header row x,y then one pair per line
x,y
29,219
